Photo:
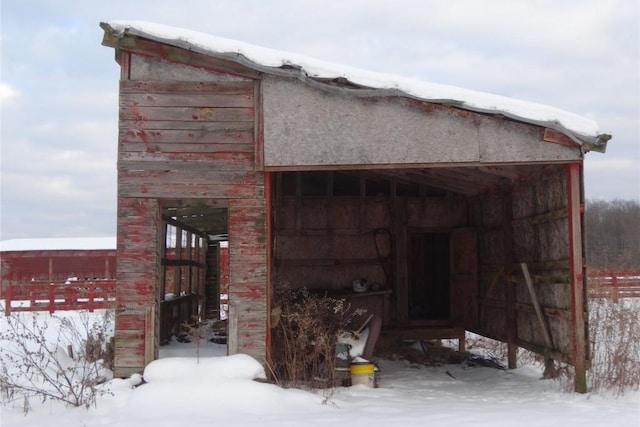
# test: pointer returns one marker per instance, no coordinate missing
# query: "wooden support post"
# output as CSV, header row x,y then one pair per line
x,y
232,338
578,278
270,248
150,347
7,300
512,314
363,198
298,203
52,299
189,263
162,268
401,268
92,295
177,269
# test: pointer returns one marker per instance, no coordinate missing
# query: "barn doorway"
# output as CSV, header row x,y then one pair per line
x,y
194,237
429,277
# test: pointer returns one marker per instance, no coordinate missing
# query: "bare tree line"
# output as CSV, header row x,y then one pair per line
x,y
613,233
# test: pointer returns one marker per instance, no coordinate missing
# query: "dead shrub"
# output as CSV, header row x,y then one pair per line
x,y
305,332
614,335
50,357
615,345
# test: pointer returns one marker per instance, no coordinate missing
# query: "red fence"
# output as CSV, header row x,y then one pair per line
x,y
96,294
73,295
614,284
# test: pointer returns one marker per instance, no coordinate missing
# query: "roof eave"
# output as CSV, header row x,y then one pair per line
x,y
112,36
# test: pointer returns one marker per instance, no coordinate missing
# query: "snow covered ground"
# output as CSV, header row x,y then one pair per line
x,y
181,389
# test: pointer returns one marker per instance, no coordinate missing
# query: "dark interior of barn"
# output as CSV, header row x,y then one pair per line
x,y
397,230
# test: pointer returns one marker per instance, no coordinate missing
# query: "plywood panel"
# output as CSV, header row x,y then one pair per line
x,y
305,126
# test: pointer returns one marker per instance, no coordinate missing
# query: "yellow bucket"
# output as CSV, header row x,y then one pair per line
x,y
363,374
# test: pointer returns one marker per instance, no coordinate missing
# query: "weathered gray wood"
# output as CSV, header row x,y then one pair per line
x,y
536,306
575,202
173,100
157,61
464,278
133,138
183,86
195,161
195,114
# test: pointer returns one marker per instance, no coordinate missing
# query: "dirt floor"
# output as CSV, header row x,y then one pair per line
x,y
432,353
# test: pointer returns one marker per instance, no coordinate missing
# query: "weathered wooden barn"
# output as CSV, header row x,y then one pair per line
x,y
441,199
54,260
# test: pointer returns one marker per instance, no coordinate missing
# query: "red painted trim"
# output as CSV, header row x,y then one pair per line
x,y
578,291
268,212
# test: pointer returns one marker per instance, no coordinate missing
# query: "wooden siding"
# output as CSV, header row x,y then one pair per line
x,y
530,225
195,126
136,293
325,242
248,290
186,140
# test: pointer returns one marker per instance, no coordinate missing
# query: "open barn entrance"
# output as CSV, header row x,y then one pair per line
x,y
429,278
440,248
193,264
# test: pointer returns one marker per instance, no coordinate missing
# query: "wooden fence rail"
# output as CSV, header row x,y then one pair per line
x,y
95,294
74,295
614,284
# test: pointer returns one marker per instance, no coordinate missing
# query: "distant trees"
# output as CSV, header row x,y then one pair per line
x,y
613,233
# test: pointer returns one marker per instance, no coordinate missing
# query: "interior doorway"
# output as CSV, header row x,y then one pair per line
x,y
429,276
191,234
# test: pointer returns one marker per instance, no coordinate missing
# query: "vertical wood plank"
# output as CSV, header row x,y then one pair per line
x,y
125,64
150,353
162,272
232,338
136,290
259,127
464,278
177,270
269,261
512,318
401,277
578,300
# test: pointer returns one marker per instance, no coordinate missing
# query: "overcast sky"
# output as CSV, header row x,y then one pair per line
x,y
59,85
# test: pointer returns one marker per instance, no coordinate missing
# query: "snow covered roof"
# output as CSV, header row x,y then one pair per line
x,y
580,129
51,244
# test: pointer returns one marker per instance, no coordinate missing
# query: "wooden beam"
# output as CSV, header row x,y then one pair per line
x,y
181,225
258,127
560,138
536,306
401,268
578,279
511,315
142,46
181,262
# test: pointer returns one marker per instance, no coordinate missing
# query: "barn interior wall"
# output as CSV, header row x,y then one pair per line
x,y
325,242
528,224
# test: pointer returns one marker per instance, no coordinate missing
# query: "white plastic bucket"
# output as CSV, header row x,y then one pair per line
x,y
363,374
